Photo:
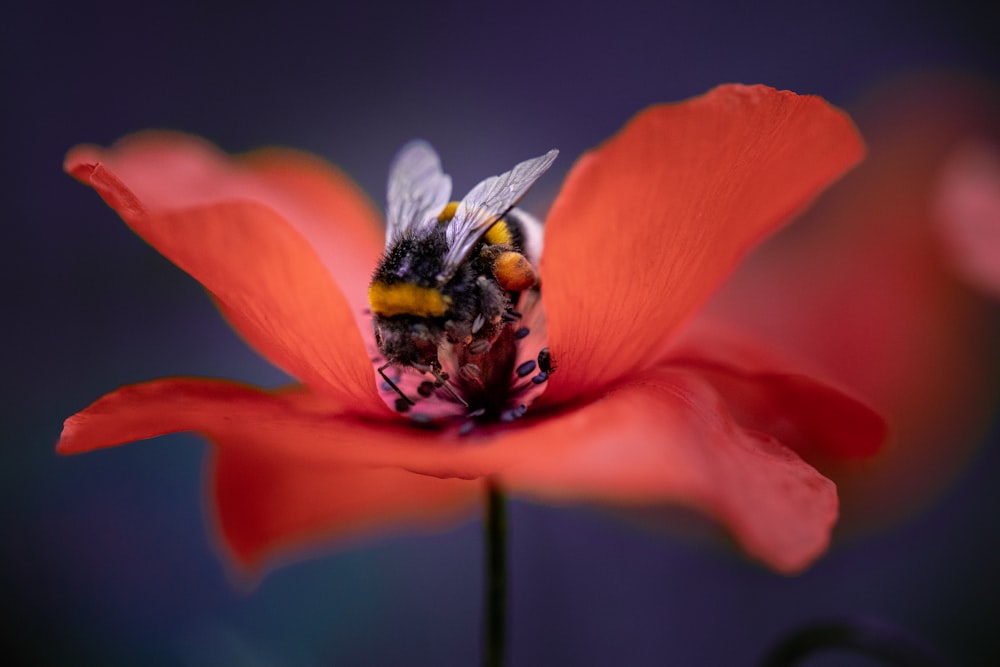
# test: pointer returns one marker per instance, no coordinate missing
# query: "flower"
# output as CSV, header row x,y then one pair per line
x,y
642,408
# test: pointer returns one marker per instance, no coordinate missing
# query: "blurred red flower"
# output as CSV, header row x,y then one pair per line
x,y
877,303
642,409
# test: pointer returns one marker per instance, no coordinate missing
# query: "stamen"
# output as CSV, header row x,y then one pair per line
x,y
526,368
523,332
513,413
422,419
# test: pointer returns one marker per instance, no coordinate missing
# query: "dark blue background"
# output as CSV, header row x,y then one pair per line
x,y
104,558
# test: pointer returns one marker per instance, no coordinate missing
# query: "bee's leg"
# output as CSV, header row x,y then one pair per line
x,y
442,381
447,385
381,371
514,272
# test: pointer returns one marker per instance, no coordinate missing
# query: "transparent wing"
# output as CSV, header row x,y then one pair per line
x,y
418,191
485,204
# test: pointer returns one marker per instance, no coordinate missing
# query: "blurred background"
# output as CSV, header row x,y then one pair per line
x,y
105,558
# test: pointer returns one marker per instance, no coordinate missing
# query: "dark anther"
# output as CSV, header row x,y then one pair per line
x,y
526,368
540,378
522,333
422,419
513,413
864,636
466,428
403,404
425,388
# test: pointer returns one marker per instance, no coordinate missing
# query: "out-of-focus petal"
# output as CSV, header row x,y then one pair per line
x,y
862,290
267,508
333,214
968,208
649,224
169,171
266,278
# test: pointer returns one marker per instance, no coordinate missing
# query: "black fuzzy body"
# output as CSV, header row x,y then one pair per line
x,y
476,302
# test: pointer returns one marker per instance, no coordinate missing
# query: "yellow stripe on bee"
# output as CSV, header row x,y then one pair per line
x,y
499,234
406,299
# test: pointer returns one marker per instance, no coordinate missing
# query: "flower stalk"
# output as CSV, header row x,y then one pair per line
x,y
495,613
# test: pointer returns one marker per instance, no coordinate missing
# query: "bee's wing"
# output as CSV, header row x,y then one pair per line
x,y
485,204
417,193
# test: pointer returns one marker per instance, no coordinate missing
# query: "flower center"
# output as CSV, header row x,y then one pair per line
x,y
482,382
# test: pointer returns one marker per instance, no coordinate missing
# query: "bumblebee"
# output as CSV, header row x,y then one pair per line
x,y
451,271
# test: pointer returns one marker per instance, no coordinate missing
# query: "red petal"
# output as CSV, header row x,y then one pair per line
x,y
267,508
330,211
650,223
670,438
310,428
264,275
821,421
170,171
666,438
269,501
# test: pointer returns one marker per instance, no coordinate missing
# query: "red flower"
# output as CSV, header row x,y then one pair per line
x,y
641,409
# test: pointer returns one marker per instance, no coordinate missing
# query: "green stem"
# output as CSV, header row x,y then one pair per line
x,y
495,533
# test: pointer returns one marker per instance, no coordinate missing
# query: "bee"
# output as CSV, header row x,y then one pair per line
x,y
451,271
